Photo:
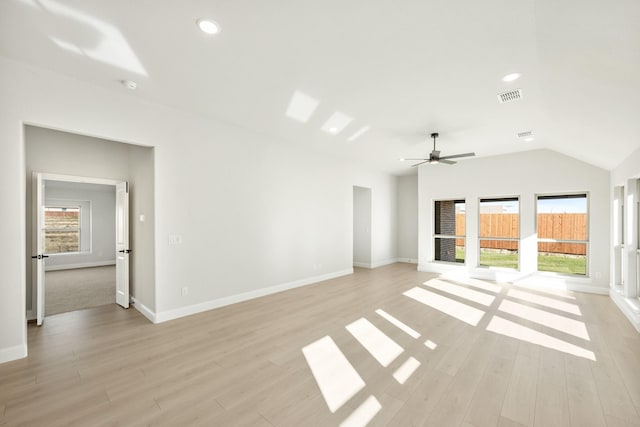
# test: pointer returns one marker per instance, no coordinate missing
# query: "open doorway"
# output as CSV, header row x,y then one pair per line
x,y
80,224
361,227
79,230
55,159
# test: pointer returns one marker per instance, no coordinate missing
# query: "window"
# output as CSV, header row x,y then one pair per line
x,y
61,229
499,236
449,230
562,223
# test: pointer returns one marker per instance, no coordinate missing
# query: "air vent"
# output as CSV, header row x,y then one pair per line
x,y
526,134
512,95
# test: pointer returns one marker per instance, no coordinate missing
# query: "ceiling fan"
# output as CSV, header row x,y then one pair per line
x,y
434,156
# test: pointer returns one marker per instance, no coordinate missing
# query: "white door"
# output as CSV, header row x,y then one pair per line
x,y
39,257
122,244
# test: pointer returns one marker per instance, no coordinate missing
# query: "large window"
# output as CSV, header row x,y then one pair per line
x,y
562,222
61,229
499,235
449,230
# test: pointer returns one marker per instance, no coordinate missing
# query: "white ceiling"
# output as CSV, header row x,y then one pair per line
x,y
404,68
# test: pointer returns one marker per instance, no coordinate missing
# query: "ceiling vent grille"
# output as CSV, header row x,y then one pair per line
x,y
526,134
512,95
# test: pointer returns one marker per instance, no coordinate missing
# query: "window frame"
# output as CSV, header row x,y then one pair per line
x,y
586,242
85,242
447,236
509,239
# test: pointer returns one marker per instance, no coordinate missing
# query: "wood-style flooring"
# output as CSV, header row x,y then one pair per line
x,y
390,346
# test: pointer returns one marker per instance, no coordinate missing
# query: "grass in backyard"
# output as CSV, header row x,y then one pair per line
x,y
552,263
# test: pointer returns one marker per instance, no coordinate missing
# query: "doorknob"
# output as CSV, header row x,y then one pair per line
x,y
40,256
125,251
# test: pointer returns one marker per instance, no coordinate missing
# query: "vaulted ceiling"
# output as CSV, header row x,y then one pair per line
x,y
398,70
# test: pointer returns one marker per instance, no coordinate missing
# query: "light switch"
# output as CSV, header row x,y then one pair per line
x,y
175,239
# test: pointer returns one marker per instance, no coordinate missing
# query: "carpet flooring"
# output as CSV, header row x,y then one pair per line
x,y
70,290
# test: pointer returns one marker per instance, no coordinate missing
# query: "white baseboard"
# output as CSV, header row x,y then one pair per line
x,y
164,316
361,264
13,353
629,308
385,262
377,264
146,311
79,265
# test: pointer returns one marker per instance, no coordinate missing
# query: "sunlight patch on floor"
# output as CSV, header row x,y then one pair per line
x,y
404,372
363,414
523,333
382,348
546,301
337,378
461,291
550,320
399,324
458,310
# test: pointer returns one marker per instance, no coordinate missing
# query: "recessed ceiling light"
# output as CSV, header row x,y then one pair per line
x,y
129,84
208,26
511,77
529,139
402,159
333,129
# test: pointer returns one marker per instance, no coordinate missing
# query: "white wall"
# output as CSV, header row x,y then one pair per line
x,y
100,246
524,175
65,153
254,214
407,217
626,295
362,227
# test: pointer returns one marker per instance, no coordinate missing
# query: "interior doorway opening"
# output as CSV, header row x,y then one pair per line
x,y
361,227
79,230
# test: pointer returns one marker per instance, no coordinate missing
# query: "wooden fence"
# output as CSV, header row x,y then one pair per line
x,y
565,226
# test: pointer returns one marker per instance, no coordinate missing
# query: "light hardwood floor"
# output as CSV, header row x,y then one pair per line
x,y
486,355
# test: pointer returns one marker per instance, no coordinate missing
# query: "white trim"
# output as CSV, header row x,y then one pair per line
x,y
80,265
361,264
146,311
630,307
385,262
13,353
164,316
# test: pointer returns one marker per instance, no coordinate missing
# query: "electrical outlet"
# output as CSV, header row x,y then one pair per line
x,y
184,291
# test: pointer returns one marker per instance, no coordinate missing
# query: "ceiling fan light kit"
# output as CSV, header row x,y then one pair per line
x,y
434,156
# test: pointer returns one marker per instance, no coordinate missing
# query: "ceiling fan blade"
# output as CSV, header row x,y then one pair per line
x,y
448,162
413,159
456,156
421,163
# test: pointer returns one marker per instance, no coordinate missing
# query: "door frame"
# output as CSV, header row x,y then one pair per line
x,y
45,176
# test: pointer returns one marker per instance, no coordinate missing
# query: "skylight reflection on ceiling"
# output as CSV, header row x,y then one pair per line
x,y
381,347
453,308
336,123
108,44
336,377
301,106
517,331
358,133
